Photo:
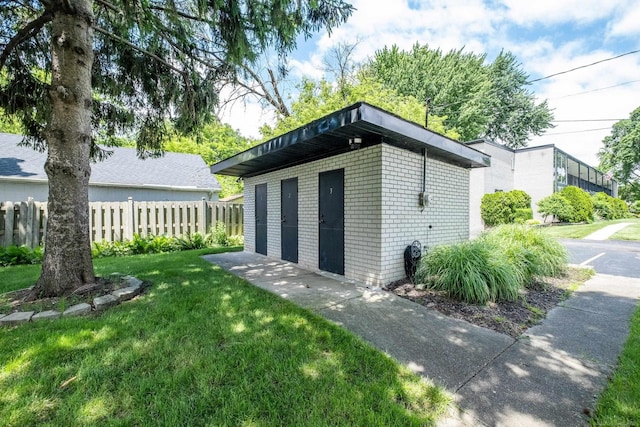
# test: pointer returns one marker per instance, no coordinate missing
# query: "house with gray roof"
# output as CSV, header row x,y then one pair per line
x,y
172,177
349,192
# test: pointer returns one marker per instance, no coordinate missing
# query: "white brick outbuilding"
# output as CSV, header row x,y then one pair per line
x,y
382,164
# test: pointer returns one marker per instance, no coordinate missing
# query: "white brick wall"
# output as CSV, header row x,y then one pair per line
x,y
382,215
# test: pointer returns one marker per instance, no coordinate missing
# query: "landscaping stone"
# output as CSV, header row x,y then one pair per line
x,y
132,281
49,314
125,294
78,310
104,302
16,318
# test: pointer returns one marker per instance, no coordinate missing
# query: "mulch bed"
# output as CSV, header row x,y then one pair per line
x,y
511,318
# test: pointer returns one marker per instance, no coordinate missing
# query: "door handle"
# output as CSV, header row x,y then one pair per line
x,y
321,219
283,219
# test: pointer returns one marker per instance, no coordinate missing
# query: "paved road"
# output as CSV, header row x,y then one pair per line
x,y
615,257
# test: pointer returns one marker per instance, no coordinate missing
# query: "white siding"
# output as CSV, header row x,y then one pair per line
x,y
534,174
382,215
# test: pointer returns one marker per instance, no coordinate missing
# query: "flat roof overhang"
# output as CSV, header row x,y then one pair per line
x,y
330,135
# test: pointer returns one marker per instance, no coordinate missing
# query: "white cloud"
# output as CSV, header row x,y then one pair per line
x,y
548,12
626,24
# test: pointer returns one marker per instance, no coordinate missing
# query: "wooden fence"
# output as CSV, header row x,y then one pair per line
x,y
24,223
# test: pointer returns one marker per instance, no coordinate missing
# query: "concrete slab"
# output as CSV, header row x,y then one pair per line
x,y
525,386
16,318
77,310
446,350
132,281
611,296
46,315
255,266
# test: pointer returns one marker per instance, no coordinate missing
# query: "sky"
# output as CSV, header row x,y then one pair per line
x,y
546,36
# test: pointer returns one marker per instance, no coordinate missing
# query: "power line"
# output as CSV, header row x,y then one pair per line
x,y
583,66
586,120
596,90
575,131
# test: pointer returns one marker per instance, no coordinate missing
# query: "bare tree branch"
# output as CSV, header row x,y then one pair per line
x,y
25,33
274,83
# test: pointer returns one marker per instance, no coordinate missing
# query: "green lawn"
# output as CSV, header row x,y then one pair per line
x,y
619,405
200,347
583,230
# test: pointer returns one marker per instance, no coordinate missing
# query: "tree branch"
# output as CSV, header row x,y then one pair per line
x,y
25,33
283,108
177,12
139,49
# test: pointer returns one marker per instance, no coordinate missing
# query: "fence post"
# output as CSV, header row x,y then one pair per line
x,y
202,217
30,215
129,223
9,216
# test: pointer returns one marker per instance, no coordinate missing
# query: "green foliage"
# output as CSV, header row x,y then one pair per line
x,y
635,207
522,215
17,255
475,272
629,191
557,206
581,203
607,207
621,151
219,234
494,267
535,253
505,207
476,97
150,245
318,99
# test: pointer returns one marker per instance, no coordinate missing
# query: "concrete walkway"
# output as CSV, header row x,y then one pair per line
x,y
547,377
606,232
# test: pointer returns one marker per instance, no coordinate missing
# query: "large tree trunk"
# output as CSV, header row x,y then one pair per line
x,y
67,262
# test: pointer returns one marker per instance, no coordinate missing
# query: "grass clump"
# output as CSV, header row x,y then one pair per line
x,y
200,347
475,272
494,267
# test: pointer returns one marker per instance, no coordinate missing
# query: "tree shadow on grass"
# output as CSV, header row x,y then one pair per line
x,y
203,347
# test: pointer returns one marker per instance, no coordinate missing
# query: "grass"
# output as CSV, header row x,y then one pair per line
x,y
200,347
582,230
630,232
619,404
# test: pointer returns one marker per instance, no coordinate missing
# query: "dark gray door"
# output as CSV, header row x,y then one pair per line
x,y
289,220
261,219
331,219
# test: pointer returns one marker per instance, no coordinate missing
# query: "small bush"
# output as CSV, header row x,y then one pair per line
x,y
18,255
191,241
236,240
474,271
607,207
501,207
218,235
635,207
581,203
557,206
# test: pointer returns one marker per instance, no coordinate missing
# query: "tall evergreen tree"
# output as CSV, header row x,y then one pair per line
x,y
75,68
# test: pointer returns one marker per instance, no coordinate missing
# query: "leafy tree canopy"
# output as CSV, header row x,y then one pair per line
x,y
319,98
621,151
477,99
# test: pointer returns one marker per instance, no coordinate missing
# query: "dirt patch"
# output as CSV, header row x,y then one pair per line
x,y
511,318
11,302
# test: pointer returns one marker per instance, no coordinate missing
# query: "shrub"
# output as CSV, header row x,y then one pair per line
x,y
581,203
191,241
635,207
475,271
557,206
17,255
501,207
218,234
607,207
522,215
236,240
531,250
